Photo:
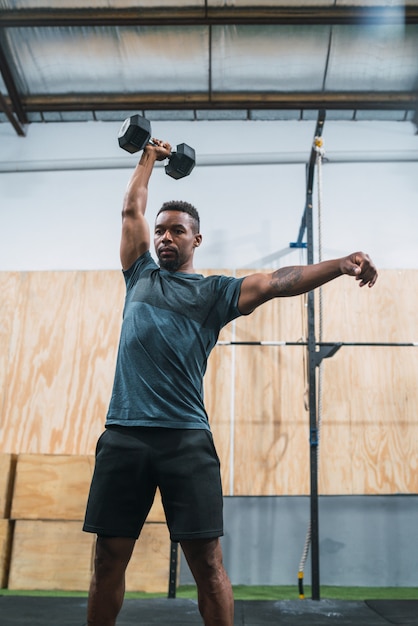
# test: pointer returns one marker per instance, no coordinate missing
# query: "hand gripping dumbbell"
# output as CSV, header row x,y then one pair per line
x,y
135,134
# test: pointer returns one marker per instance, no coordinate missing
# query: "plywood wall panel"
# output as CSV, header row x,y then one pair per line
x,y
219,406
270,422
102,298
63,349
40,375
218,395
385,453
376,440
270,416
385,313
369,432
335,468
11,290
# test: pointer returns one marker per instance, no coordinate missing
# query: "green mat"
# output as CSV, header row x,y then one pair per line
x,y
243,592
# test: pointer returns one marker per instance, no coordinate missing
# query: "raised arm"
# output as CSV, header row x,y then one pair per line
x,y
298,279
135,238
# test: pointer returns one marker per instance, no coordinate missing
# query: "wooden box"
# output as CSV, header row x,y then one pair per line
x,y
50,555
7,472
5,547
56,487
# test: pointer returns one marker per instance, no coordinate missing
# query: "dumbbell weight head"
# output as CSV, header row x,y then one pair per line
x,y
134,133
181,162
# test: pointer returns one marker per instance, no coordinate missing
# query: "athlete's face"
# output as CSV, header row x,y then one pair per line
x,y
175,241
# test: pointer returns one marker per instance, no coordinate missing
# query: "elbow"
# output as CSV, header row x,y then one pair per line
x,y
126,212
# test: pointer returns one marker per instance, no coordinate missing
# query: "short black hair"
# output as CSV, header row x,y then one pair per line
x,y
185,207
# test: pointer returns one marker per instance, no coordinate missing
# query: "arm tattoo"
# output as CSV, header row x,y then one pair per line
x,y
285,279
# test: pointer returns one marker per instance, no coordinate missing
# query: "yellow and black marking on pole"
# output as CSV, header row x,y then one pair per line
x,y
300,585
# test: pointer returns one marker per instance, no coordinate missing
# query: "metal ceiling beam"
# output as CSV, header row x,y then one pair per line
x,y
209,16
220,100
14,101
9,114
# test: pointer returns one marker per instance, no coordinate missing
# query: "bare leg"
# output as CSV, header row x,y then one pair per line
x,y
216,602
107,587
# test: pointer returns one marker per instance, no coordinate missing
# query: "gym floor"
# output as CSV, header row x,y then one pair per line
x,y
25,610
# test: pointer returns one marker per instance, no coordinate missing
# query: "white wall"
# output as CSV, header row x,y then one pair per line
x,y
70,219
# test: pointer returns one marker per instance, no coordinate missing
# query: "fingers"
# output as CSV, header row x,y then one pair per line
x,y
161,143
163,148
363,269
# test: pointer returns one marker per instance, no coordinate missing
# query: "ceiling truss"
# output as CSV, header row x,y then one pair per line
x,y
172,16
17,106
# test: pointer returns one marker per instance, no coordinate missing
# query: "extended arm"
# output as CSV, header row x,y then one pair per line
x,y
298,279
135,230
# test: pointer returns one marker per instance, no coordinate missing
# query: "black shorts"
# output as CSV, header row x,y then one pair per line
x,y
131,462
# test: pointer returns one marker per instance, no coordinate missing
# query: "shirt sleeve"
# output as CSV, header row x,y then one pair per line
x,y
132,274
229,290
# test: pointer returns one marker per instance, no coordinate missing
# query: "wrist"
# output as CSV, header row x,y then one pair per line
x,y
150,150
148,156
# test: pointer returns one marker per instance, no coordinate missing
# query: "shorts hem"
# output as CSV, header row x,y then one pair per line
x,y
196,535
101,532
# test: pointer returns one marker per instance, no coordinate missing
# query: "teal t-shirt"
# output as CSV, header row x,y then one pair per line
x,y
171,322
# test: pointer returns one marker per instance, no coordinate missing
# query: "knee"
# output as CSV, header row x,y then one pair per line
x,y
216,577
207,564
212,580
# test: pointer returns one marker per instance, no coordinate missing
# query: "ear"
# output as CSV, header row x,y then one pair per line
x,y
197,240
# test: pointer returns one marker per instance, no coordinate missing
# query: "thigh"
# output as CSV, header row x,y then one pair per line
x,y
123,486
190,484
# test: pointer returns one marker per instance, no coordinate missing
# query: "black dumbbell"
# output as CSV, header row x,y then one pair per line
x,y
134,135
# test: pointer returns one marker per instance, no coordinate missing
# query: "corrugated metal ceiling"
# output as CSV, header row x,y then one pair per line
x,y
223,59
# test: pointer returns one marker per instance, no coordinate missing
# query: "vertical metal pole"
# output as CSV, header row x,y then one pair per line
x,y
172,576
313,422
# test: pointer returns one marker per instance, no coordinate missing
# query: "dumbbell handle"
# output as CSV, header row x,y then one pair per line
x,y
151,143
135,134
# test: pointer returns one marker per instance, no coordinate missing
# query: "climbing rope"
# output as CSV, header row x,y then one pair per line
x,y
318,147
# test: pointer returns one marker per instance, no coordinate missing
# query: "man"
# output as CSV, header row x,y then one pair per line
x,y
157,431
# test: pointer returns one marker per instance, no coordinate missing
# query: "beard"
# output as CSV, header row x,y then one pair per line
x,y
171,265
